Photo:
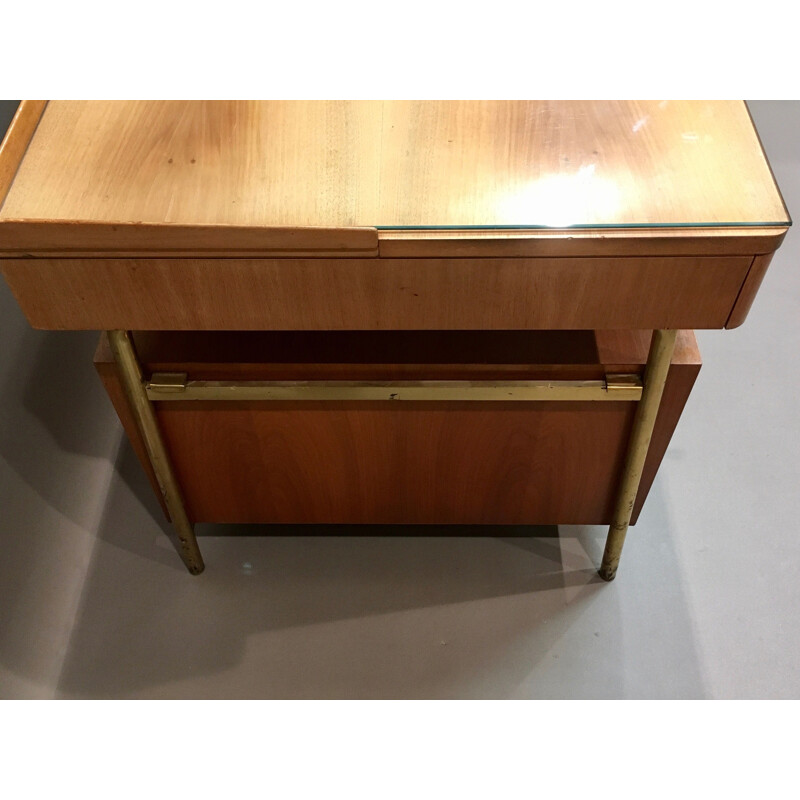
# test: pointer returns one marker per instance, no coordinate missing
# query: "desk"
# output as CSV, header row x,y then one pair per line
x,y
194,232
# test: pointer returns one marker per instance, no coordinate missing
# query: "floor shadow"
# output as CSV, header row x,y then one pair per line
x,y
650,603
52,402
7,110
313,611
145,623
58,436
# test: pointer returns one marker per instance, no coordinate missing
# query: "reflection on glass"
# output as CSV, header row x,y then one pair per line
x,y
559,201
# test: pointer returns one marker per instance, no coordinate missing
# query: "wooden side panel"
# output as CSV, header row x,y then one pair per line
x,y
676,392
376,294
626,351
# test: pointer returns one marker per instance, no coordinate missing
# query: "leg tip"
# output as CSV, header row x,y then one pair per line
x,y
607,574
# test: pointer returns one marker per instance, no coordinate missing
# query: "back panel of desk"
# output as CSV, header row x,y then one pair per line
x,y
403,463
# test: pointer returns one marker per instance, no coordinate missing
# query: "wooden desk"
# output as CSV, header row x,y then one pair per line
x,y
389,216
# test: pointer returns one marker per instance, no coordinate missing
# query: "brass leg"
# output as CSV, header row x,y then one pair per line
x,y
655,376
131,375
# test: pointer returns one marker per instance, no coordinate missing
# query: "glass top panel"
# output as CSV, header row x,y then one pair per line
x,y
422,165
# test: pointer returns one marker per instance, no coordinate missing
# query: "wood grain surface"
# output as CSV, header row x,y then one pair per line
x,y
397,163
750,287
448,463
369,294
428,464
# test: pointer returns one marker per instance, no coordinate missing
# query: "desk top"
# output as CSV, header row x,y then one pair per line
x,y
386,215
398,165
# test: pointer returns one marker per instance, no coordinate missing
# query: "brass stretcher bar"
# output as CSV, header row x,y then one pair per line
x,y
175,386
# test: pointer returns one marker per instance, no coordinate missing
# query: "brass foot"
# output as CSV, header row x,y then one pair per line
x,y
607,574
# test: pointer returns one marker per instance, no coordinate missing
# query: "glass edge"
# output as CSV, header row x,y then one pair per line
x,y
767,161
633,225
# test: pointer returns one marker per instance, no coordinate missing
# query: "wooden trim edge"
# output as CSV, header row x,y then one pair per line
x,y
15,142
747,294
43,237
580,242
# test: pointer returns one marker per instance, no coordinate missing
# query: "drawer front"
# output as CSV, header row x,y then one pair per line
x,y
378,294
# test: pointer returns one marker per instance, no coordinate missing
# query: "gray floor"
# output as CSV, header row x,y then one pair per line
x,y
94,603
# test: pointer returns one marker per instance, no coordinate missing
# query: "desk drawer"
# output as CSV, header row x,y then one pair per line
x,y
428,462
378,293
